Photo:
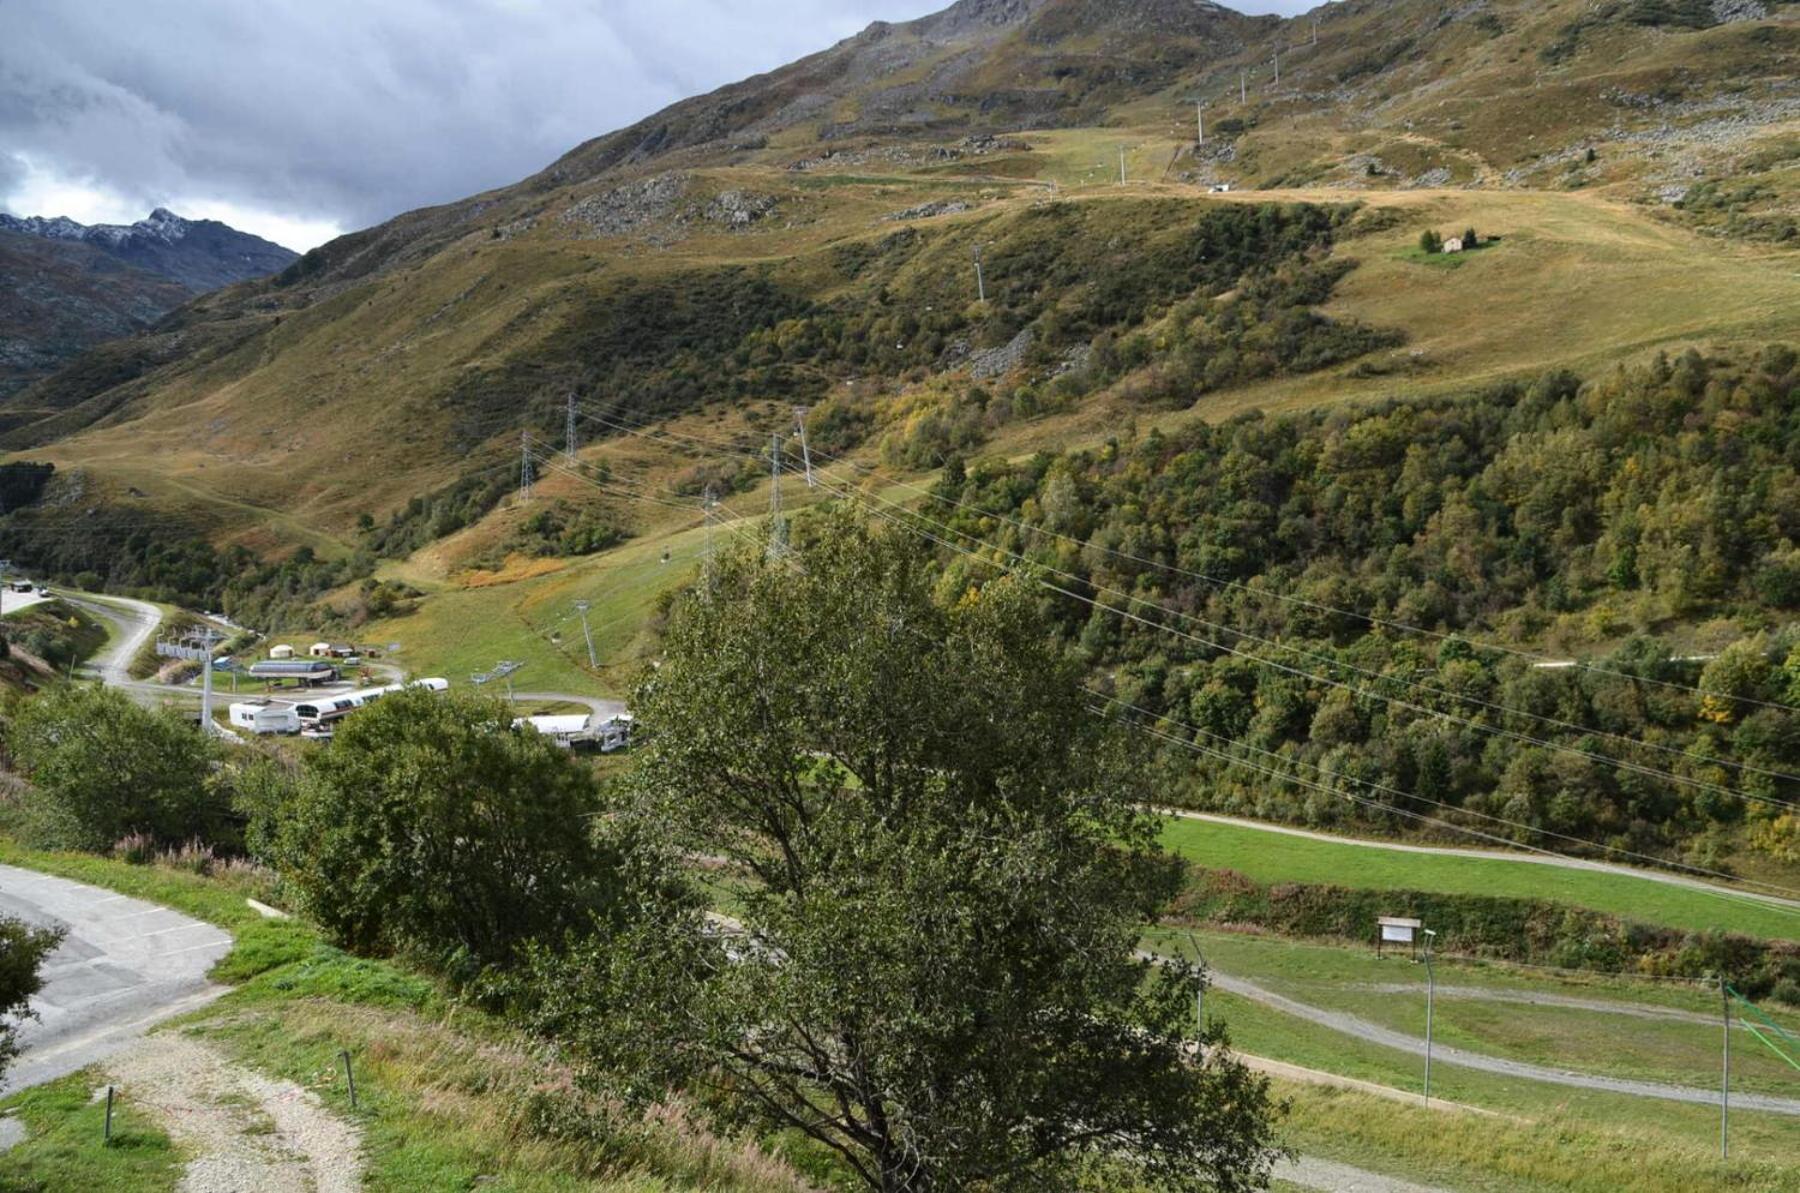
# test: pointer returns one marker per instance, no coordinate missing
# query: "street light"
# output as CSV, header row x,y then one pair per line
x,y
1430,999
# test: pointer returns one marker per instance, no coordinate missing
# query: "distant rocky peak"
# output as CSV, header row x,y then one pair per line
x,y
162,225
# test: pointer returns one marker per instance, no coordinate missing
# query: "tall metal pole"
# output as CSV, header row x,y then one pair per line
x,y
1278,68
1243,87
1200,118
980,277
1122,178
524,465
1430,1001
206,721
1199,991
777,528
582,607
805,451
706,517
1725,1077
569,429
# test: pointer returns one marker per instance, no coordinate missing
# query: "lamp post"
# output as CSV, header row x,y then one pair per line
x,y
1430,1000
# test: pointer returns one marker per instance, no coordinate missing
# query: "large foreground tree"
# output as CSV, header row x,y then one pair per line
x,y
945,868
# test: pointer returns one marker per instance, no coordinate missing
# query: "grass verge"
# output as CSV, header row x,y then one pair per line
x,y
1280,857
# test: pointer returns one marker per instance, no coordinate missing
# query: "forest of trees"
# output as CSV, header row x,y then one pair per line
x,y
1281,570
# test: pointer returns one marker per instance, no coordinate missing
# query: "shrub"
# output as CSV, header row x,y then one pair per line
x,y
434,828
104,768
1430,242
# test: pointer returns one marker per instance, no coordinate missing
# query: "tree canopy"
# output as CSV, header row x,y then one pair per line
x,y
433,827
939,868
104,767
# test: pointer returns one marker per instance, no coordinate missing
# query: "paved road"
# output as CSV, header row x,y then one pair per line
x,y
1533,859
124,965
603,710
1352,1025
134,622
16,602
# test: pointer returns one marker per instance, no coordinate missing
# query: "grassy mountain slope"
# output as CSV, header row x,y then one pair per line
x,y
666,267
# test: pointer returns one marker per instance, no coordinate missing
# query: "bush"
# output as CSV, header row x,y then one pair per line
x,y
103,768
23,949
1430,242
434,828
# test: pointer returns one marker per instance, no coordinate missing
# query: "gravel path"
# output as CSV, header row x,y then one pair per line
x,y
248,1133
1352,1025
1313,1173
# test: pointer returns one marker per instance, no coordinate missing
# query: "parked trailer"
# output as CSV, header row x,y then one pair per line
x,y
318,716
265,718
307,671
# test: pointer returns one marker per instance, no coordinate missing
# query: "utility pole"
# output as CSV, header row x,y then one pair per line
x,y
1199,992
980,277
1200,118
805,451
582,608
1430,1000
777,527
1278,68
1243,87
569,429
706,516
1122,178
1725,1078
207,638
524,466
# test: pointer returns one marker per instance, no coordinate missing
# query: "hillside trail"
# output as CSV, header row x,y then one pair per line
x,y
247,1133
1557,861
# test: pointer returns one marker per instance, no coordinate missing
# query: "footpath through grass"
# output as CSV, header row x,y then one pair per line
x,y
448,1097
1281,857
65,1146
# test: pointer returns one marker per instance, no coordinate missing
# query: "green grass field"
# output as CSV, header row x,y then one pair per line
x,y
1636,1030
1277,857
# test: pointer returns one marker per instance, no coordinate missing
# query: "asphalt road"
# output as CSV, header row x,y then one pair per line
x,y
603,710
134,623
1534,859
124,966
1352,1025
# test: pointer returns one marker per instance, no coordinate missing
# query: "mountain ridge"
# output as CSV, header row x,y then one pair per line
x,y
376,366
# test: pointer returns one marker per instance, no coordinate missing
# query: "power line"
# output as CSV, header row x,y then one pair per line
x,y
1373,804
1260,660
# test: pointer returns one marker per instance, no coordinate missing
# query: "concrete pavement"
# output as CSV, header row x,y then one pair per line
x,y
124,966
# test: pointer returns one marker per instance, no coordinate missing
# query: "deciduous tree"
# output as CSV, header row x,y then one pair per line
x,y
945,873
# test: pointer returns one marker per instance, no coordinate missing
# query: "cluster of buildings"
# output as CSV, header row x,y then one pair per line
x,y
315,713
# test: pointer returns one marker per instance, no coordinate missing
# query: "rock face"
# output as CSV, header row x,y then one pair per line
x,y
199,255
66,287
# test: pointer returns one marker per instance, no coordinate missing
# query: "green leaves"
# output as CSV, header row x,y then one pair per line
x,y
938,873
432,827
104,767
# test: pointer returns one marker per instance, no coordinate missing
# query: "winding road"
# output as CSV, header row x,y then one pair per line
x,y
1362,1029
134,623
1531,859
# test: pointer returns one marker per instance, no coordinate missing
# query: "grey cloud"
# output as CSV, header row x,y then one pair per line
x,y
353,111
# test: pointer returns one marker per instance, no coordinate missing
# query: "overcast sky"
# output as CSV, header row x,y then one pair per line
x,y
301,119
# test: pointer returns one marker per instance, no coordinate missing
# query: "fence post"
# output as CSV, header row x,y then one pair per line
x,y
349,1077
109,1111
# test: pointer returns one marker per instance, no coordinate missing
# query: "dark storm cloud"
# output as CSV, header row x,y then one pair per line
x,y
346,112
